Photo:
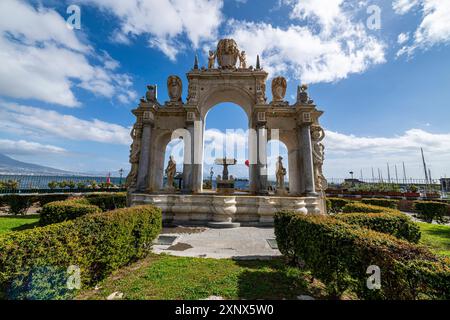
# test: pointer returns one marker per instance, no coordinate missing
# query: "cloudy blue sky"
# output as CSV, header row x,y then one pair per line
x,y
66,95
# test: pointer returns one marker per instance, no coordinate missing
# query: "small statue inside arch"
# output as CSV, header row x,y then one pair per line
x,y
280,174
170,172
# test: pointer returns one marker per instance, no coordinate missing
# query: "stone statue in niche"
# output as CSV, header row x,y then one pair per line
x,y
135,151
279,85
174,88
211,59
227,54
152,93
317,135
280,174
170,172
243,60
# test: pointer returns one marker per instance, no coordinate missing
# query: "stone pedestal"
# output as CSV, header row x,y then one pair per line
x,y
225,186
226,209
281,192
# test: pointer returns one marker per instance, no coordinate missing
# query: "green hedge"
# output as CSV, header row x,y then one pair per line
x,y
335,205
47,198
34,263
366,208
387,203
429,211
60,211
108,201
282,220
397,224
339,254
18,204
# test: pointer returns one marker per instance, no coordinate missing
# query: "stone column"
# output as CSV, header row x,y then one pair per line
x,y
188,166
199,128
253,158
262,160
144,158
258,160
308,166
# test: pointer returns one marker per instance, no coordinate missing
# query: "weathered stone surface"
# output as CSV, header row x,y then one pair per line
x,y
295,125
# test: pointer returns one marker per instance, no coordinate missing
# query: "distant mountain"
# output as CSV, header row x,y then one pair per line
x,y
11,166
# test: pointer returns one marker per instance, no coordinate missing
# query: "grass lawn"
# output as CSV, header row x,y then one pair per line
x,y
170,277
436,237
17,223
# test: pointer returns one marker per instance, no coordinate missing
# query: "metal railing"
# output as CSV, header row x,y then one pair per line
x,y
39,184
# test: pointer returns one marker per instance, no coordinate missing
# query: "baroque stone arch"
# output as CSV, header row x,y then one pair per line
x,y
226,80
218,94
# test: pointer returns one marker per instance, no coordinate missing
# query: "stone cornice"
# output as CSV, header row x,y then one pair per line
x,y
224,73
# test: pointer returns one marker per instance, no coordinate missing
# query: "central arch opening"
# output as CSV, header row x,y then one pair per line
x,y
226,135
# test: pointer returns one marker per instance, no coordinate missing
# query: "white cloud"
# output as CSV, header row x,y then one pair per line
x,y
325,11
22,147
40,122
330,47
402,38
163,21
350,152
43,59
434,28
404,6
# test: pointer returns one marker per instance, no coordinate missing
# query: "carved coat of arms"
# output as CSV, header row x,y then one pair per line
x,y
227,53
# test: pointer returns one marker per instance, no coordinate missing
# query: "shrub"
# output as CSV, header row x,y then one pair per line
x,y
34,263
366,208
18,204
47,198
335,205
282,220
339,254
108,201
60,211
387,203
52,185
429,211
397,224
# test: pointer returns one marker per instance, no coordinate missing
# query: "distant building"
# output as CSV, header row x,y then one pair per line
x,y
353,181
445,184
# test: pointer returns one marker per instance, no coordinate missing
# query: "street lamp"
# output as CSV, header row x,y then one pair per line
x,y
351,173
121,173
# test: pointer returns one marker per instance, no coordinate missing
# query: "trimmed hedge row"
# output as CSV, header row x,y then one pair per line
x,y
17,204
20,203
107,201
366,208
396,224
34,263
387,203
429,211
335,205
60,211
339,255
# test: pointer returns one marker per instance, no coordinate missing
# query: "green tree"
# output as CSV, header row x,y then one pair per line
x,y
53,185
